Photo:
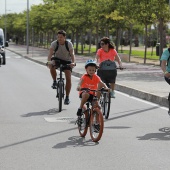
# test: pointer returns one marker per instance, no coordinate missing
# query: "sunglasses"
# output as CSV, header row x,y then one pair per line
x,y
102,44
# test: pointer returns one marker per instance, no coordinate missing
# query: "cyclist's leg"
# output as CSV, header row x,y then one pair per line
x,y
84,96
54,77
53,73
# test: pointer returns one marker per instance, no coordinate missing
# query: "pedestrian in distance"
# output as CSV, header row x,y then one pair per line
x,y
64,51
108,53
90,81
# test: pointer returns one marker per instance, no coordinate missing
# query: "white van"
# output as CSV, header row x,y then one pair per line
x,y
2,49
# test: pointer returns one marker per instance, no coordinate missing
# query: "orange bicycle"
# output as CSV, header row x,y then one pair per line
x,y
91,117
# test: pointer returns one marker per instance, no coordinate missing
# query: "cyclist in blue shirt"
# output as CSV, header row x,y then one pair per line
x,y
165,65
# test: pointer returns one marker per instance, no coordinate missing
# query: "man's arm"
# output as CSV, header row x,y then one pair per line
x,y
163,65
51,51
72,57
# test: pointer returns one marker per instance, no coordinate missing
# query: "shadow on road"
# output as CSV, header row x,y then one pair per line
x,y
75,141
164,134
48,112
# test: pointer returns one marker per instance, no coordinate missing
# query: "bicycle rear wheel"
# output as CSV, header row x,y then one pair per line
x,y
107,101
96,125
60,95
83,127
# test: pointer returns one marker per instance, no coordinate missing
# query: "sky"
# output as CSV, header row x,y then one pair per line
x,y
16,6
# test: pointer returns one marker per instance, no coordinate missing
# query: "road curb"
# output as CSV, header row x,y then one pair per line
x,y
128,90
142,95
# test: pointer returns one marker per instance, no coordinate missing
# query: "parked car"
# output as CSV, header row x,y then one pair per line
x,y
3,44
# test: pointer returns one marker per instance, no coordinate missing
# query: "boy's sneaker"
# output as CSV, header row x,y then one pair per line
x,y
66,101
79,111
54,85
79,121
96,128
112,94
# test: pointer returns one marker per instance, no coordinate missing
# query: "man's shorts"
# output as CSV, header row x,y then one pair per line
x,y
63,62
107,76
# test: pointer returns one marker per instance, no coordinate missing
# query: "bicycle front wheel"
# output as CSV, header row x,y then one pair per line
x,y
60,95
96,125
106,103
83,126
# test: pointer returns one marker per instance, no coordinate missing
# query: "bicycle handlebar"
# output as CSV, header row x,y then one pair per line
x,y
121,68
58,60
87,90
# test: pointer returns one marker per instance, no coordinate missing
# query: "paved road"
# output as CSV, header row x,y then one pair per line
x,y
143,81
35,136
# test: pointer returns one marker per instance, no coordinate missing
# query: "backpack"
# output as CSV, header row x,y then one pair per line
x,y
107,65
66,45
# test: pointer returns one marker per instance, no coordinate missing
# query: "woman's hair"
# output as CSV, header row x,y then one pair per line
x,y
106,40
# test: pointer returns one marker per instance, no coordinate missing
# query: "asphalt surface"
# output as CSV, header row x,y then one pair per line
x,y
145,81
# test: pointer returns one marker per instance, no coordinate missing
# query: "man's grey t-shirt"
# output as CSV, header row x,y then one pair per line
x,y
62,52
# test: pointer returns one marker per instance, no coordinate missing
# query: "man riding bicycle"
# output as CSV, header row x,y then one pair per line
x,y
105,53
64,51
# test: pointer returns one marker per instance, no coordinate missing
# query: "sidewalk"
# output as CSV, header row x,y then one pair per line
x,y
142,81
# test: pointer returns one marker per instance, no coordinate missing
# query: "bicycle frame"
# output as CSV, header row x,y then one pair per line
x,y
60,84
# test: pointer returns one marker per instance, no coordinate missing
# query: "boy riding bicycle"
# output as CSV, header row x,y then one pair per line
x,y
89,80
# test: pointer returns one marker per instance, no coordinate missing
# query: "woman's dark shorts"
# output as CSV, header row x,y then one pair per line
x,y
107,76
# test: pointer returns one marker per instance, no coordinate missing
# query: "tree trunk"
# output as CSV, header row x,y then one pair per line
x,y
146,42
130,45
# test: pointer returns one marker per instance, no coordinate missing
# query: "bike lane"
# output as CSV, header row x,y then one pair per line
x,y
144,81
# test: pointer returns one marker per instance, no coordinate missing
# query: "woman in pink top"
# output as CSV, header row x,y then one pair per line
x,y
107,52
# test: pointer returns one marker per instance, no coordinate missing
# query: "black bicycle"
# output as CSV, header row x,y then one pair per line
x,y
105,102
91,117
105,99
60,83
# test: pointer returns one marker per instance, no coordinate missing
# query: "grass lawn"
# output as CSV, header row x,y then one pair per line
x,y
135,53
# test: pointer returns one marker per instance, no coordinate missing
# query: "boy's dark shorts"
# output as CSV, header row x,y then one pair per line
x,y
107,76
89,99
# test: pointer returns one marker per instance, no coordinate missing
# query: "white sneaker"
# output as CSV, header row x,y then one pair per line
x,y
112,94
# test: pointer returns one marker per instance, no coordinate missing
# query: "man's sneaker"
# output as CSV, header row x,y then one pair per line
x,y
66,101
54,85
112,94
79,111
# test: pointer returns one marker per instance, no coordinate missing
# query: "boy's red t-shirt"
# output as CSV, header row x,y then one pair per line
x,y
110,55
90,83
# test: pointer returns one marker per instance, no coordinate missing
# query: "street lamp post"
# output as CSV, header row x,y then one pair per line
x,y
5,24
27,26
